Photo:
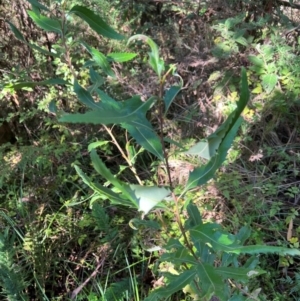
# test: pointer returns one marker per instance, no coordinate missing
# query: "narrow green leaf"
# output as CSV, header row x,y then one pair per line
x,y
43,51
203,174
52,81
103,191
257,249
149,196
97,144
48,24
99,59
85,97
155,61
38,5
219,143
195,218
122,57
170,96
171,141
96,78
141,130
101,168
107,99
16,32
111,113
95,22
212,235
207,149
239,274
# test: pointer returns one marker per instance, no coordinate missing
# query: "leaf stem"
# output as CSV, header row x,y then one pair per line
x,y
132,168
161,125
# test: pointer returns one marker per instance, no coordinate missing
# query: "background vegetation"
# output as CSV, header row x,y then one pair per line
x,y
59,240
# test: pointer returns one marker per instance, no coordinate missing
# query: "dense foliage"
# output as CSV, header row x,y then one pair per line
x,y
149,150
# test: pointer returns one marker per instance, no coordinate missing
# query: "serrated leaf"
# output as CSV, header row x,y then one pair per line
x,y
142,131
16,32
211,282
195,218
149,196
122,57
269,81
48,24
113,112
96,144
85,97
99,59
212,235
95,22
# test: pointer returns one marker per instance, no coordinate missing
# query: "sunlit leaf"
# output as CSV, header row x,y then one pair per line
x,y
269,81
203,174
48,24
97,144
149,196
43,50
122,57
239,274
178,283
208,148
155,61
212,235
99,59
95,22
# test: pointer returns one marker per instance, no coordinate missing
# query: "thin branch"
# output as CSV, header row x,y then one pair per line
x,y
132,168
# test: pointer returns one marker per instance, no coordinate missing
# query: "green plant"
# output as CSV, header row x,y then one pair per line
x,y
12,279
203,259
